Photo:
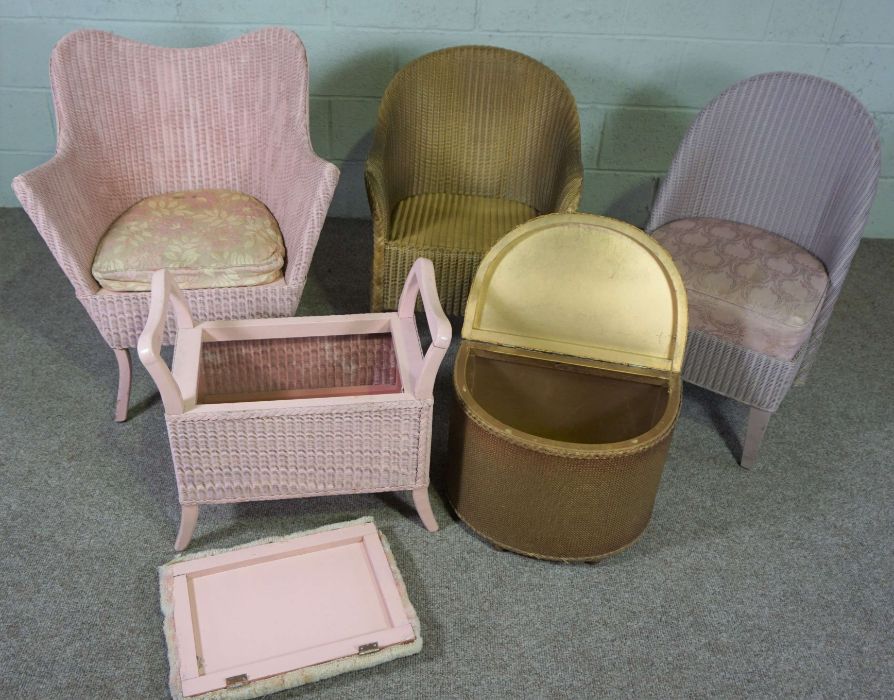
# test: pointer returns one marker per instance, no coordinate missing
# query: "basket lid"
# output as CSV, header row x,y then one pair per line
x,y
260,612
583,286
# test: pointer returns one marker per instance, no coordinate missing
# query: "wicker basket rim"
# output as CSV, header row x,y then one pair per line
x,y
572,450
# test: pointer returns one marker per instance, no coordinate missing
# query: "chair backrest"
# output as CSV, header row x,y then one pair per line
x,y
792,154
159,119
789,153
476,120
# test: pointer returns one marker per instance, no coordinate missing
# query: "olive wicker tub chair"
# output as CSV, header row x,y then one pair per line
x,y
762,210
471,141
198,160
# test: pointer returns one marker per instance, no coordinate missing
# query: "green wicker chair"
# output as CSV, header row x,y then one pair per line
x,y
471,141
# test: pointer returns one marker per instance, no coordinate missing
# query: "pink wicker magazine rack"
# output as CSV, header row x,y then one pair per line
x,y
292,407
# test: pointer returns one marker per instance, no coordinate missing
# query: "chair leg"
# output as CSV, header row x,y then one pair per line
x,y
123,399
188,517
423,507
754,435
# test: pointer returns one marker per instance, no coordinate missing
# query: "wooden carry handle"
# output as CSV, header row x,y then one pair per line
x,y
164,292
421,282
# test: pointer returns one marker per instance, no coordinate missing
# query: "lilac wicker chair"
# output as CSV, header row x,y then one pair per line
x,y
763,209
136,121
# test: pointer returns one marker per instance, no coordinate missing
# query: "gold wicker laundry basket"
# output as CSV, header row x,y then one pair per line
x,y
568,387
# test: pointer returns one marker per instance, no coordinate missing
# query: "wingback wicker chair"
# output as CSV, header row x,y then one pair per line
x,y
762,210
136,121
471,141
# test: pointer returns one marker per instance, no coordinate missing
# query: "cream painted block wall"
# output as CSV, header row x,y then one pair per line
x,y
640,69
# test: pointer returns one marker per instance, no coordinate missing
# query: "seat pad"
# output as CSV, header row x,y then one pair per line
x,y
745,285
456,221
206,238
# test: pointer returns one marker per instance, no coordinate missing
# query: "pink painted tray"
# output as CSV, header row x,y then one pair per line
x,y
267,616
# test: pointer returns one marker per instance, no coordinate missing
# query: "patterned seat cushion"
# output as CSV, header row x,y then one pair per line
x,y
456,221
206,238
746,285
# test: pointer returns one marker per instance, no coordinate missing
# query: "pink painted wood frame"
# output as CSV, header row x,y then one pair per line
x,y
423,370
343,576
164,291
178,385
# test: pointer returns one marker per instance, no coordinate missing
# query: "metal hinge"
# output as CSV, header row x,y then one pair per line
x,y
234,681
367,648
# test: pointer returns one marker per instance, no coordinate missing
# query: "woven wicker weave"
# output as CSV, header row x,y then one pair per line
x,y
549,501
281,364
479,123
138,120
792,154
245,455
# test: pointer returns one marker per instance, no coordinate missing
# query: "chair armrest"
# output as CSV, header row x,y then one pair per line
x,y
377,192
421,282
299,197
569,178
71,212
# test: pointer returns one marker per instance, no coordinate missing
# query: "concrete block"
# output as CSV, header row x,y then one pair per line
x,y
885,124
624,196
409,14
615,71
591,123
865,71
177,36
353,121
802,20
865,21
26,120
411,45
299,13
541,16
318,111
642,139
25,47
348,63
711,19
881,217
16,8
12,164
349,201
153,10
708,68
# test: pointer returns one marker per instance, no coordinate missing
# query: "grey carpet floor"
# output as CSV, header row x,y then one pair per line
x,y
770,583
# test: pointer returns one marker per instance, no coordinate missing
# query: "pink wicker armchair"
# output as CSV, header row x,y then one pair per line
x,y
137,120
762,210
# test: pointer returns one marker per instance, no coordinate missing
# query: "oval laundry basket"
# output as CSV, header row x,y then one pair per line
x,y
568,387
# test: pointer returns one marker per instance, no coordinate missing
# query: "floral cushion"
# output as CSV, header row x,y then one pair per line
x,y
206,238
746,285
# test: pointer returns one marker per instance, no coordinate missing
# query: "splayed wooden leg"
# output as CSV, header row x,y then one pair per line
x,y
123,399
754,435
188,517
423,507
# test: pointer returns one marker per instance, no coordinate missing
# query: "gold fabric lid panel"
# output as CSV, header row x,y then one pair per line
x,y
582,286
